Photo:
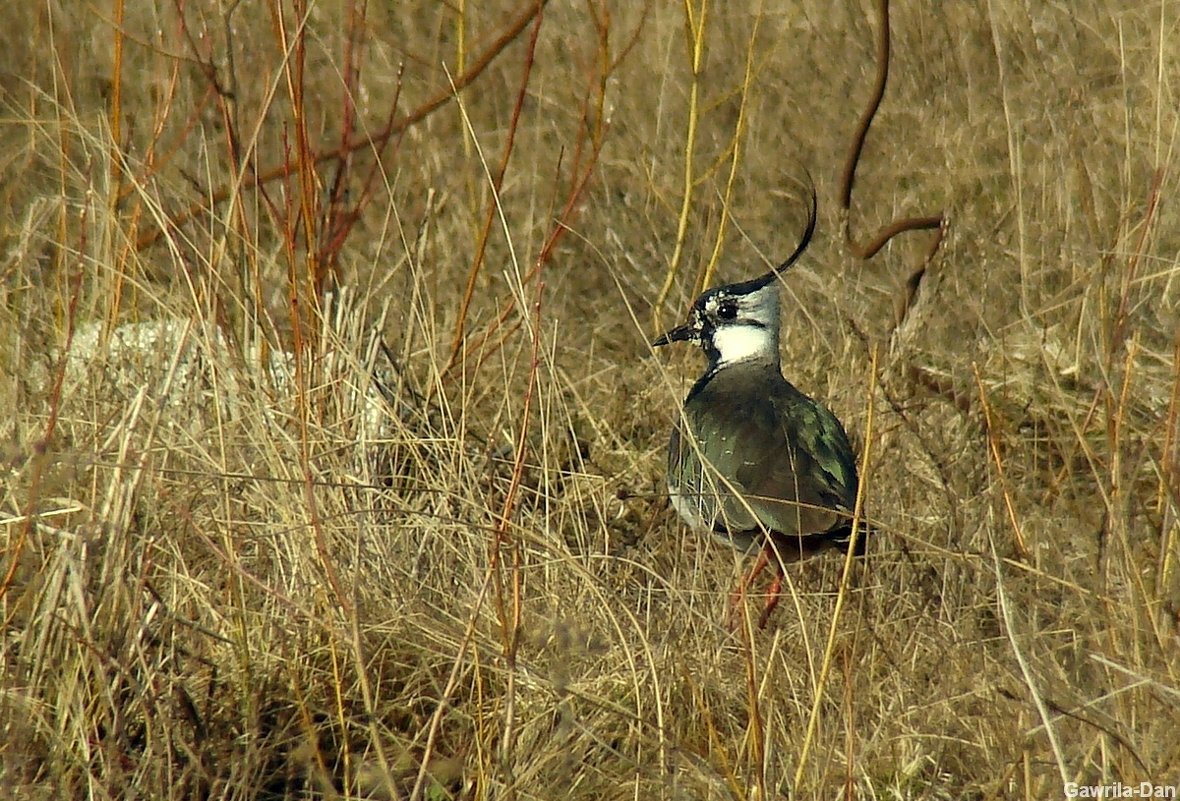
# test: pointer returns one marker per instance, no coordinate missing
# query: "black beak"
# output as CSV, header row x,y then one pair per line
x,y
683,333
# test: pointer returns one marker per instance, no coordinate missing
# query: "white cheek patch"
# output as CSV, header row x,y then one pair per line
x,y
737,343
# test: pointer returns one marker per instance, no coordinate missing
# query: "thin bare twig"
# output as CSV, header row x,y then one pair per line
x,y
497,183
694,22
589,138
391,130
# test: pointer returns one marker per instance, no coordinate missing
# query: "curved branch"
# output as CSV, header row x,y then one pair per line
x,y
848,177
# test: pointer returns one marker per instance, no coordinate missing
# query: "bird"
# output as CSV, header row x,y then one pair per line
x,y
752,458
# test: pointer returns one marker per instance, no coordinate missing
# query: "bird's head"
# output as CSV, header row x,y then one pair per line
x,y
739,322
733,323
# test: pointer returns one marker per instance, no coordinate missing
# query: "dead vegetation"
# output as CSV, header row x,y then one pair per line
x,y
221,579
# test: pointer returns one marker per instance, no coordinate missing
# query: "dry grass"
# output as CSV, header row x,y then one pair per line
x,y
221,583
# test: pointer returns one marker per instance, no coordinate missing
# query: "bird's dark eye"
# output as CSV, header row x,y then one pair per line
x,y
727,310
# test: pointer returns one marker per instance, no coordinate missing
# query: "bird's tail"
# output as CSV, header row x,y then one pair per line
x,y
841,537
797,549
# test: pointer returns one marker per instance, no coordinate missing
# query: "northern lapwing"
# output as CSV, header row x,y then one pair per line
x,y
752,459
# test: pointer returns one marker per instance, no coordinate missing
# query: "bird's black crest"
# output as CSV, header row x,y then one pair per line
x,y
808,231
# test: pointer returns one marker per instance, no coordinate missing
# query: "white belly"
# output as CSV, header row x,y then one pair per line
x,y
688,509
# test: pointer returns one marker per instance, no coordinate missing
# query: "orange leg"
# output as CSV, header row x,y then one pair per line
x,y
772,598
736,597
